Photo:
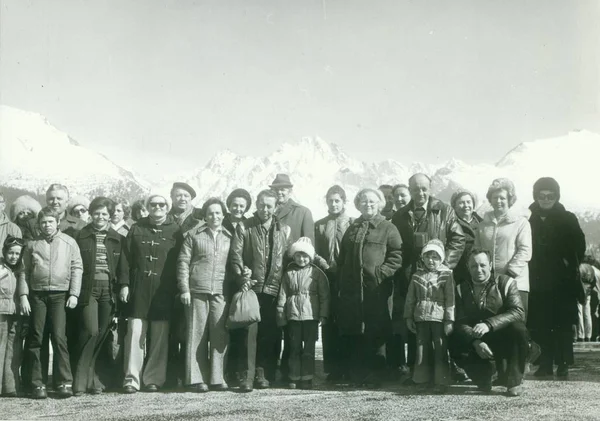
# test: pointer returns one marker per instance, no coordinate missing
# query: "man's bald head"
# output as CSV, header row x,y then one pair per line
x,y
419,186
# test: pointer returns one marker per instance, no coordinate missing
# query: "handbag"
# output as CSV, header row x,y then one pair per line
x,y
244,310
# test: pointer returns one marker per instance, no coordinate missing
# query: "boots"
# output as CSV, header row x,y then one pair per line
x,y
261,382
246,384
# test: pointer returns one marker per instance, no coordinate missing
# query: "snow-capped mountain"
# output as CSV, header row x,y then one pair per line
x,y
34,154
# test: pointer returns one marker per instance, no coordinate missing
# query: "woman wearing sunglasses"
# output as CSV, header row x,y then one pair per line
x,y
147,274
78,208
558,247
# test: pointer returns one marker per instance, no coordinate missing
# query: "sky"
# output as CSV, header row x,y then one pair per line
x,y
163,85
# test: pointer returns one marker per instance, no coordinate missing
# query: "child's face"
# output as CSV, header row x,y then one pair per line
x,y
48,225
432,260
301,259
12,254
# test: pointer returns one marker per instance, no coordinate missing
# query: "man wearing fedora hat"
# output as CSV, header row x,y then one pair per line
x,y
299,219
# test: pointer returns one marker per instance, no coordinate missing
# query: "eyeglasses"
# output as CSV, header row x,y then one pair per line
x,y
549,196
157,205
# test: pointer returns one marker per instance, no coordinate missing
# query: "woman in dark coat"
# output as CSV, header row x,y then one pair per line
x,y
100,247
147,274
463,203
558,247
369,256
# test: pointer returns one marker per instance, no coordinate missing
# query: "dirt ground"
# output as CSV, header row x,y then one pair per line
x,y
549,400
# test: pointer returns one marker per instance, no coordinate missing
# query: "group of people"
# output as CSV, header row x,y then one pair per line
x,y
459,291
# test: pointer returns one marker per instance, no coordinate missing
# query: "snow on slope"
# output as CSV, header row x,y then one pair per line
x,y
34,154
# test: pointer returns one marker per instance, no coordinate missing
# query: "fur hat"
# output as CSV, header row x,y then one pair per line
x,y
434,245
304,244
165,196
77,201
546,183
22,203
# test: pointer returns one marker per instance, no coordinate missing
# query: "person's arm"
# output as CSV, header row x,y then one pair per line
x,y
76,270
308,226
411,300
281,300
324,296
183,265
449,299
123,271
512,309
522,255
462,324
577,235
455,240
393,256
236,255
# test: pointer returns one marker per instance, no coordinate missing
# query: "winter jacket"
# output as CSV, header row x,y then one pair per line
x,y
509,241
52,265
227,224
441,223
8,289
202,262
499,306
148,267
8,228
298,218
86,240
250,248
304,294
558,247
188,220
71,225
430,296
329,232
461,270
370,254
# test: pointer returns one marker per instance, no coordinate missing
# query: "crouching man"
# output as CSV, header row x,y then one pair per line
x,y
490,327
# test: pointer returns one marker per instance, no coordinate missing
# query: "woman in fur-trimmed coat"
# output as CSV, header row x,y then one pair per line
x,y
23,212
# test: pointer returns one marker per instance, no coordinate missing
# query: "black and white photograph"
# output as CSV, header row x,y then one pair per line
x,y
299,210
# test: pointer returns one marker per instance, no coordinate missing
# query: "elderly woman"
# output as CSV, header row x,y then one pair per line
x,y
238,202
507,236
147,274
369,256
203,283
329,232
558,247
100,247
78,208
118,221
489,326
463,203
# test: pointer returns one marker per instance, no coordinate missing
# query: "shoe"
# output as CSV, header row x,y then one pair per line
x,y
515,391
534,352
403,370
292,385
245,387
440,389
498,382
543,371
78,393
409,382
306,384
39,392
64,391
261,382
485,387
95,391
201,388
223,387
10,395
128,390
151,388
562,371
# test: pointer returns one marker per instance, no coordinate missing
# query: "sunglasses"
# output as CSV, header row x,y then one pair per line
x,y
157,205
549,196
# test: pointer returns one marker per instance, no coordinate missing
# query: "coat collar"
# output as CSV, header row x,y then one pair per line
x,y
88,231
374,221
508,219
286,208
224,230
433,205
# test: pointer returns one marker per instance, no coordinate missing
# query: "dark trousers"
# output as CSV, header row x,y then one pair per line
x,y
44,355
401,350
267,336
177,346
510,347
331,348
95,318
49,306
525,301
363,355
241,358
303,338
431,365
10,352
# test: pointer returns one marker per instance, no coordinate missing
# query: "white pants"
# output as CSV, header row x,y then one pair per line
x,y
584,327
155,371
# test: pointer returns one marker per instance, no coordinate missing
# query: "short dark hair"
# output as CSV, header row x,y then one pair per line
x,y
102,202
399,186
477,250
137,206
266,193
386,188
48,212
126,206
239,193
213,201
335,189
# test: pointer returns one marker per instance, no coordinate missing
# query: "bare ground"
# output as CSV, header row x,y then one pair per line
x,y
577,398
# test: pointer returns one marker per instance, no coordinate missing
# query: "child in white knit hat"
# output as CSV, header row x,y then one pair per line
x,y
303,302
429,312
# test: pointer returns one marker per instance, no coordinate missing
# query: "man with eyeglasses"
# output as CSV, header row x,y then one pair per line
x,y
423,219
6,226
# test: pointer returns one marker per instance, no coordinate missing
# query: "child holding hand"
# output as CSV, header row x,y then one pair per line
x,y
302,303
429,312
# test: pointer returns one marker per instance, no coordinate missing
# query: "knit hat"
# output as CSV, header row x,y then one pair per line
x,y
434,245
78,201
165,196
22,203
460,193
304,244
546,183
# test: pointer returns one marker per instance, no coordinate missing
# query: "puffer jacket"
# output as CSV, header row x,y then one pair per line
x,y
52,265
509,241
304,294
8,228
202,262
430,296
499,306
8,289
249,248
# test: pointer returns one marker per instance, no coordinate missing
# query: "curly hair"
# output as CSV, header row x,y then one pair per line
x,y
502,184
359,196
